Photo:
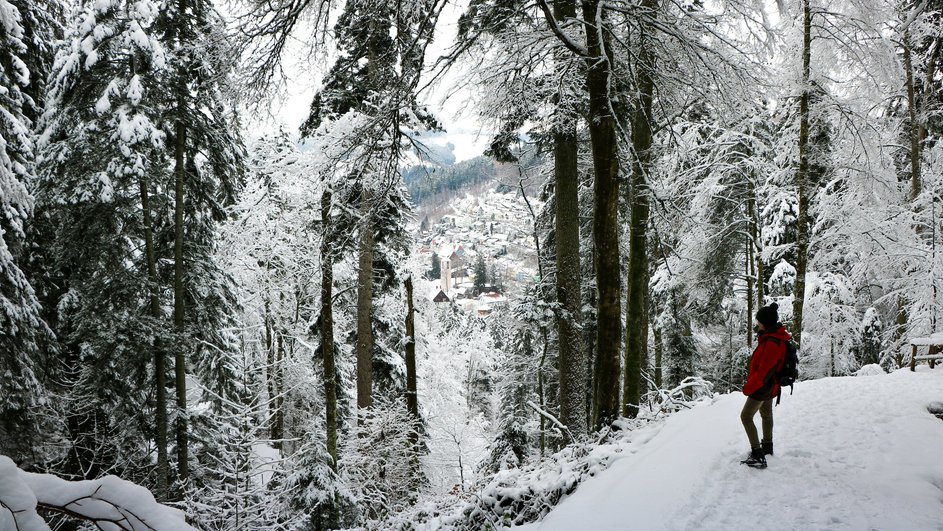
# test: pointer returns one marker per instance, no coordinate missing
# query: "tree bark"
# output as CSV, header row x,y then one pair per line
x,y
364,346
270,366
327,329
753,273
914,132
927,92
412,395
278,420
180,370
412,398
917,110
572,363
636,337
160,368
802,224
659,356
542,440
604,140
756,251
365,307
748,271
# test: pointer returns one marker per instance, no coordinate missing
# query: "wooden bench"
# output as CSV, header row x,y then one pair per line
x,y
934,351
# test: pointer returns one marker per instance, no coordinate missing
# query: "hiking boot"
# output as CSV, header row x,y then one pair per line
x,y
756,459
767,448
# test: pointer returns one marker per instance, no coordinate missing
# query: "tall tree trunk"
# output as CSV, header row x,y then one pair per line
x,y
749,271
928,91
278,420
602,131
659,346
327,329
589,342
802,223
180,369
659,356
270,366
542,440
752,274
636,336
917,114
917,110
365,307
756,251
572,363
366,249
914,132
412,398
160,368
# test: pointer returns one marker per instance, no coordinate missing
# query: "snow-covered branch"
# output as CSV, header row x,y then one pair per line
x,y
555,28
109,502
553,420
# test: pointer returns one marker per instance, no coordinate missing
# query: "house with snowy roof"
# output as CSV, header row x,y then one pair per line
x,y
439,295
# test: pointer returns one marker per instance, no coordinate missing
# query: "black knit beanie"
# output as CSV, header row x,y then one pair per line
x,y
768,316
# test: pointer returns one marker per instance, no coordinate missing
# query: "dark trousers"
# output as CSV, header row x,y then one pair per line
x,y
765,407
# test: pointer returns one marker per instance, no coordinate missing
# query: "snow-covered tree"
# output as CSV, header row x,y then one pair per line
x,y
23,333
372,86
207,158
375,461
832,334
869,347
100,158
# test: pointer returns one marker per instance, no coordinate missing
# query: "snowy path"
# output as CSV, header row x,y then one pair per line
x,y
851,453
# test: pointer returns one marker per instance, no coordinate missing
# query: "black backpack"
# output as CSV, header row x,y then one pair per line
x,y
789,372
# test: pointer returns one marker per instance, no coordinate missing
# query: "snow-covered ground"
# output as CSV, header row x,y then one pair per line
x,y
858,453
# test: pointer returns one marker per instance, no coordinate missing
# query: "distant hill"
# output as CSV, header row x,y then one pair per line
x,y
426,182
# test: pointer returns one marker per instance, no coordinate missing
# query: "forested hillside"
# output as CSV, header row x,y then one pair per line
x,y
209,315
438,182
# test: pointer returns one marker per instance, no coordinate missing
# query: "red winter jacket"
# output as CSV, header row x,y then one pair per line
x,y
766,360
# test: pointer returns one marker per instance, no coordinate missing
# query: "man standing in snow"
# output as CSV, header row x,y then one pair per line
x,y
762,384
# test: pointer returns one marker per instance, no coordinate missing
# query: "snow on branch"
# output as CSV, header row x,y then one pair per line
x,y
553,420
109,502
690,392
563,37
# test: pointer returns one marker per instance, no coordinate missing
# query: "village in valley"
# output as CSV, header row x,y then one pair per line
x,y
481,252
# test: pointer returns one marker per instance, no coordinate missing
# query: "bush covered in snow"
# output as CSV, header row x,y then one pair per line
x,y
520,495
516,496
870,370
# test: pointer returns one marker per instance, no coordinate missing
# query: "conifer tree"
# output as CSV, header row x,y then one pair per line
x,y
643,124
208,161
101,144
481,274
373,83
802,176
572,357
23,332
105,162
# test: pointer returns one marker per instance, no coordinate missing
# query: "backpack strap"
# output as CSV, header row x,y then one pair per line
x,y
779,393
